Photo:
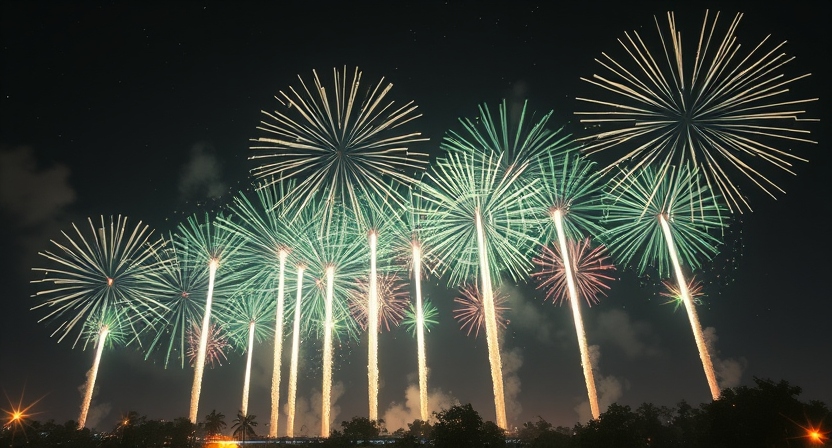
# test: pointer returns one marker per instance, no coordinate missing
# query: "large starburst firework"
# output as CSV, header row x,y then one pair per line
x,y
591,267
708,102
392,301
339,144
214,350
470,310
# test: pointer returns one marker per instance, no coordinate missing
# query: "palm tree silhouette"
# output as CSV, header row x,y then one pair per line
x,y
215,423
244,426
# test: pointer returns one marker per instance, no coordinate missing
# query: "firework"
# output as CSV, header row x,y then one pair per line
x,y
583,273
333,259
428,317
214,350
247,317
726,114
98,287
470,311
478,211
210,246
674,294
667,219
392,302
181,285
338,145
264,225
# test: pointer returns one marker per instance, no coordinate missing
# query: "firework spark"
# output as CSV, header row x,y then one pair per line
x,y
214,350
470,309
429,317
726,114
591,271
674,294
100,287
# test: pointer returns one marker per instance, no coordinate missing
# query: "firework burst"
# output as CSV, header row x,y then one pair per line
x,y
470,310
726,114
674,293
392,301
214,350
98,287
338,144
591,272
429,317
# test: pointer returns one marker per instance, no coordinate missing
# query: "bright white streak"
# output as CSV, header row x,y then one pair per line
x,y
199,366
85,405
704,355
574,301
372,329
247,380
420,333
293,366
491,328
326,387
278,348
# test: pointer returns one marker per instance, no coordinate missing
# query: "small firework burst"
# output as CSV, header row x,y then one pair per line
x,y
214,351
392,301
470,312
674,295
429,316
591,267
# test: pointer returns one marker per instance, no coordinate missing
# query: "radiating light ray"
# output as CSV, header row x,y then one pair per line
x,y
100,288
726,116
338,146
18,415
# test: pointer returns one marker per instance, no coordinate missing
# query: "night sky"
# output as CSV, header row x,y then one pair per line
x,y
147,111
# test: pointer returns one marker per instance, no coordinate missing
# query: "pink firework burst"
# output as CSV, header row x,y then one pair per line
x,y
591,269
392,301
674,295
217,344
470,312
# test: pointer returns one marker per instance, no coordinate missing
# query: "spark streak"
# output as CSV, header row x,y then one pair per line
x,y
85,405
293,366
278,348
704,355
372,329
199,367
420,333
247,380
326,387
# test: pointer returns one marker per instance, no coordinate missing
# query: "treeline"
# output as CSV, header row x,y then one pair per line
x,y
766,415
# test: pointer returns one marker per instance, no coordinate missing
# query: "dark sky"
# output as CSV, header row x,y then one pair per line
x,y
146,111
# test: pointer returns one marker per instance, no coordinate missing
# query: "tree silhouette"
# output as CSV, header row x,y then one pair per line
x,y
243,426
215,423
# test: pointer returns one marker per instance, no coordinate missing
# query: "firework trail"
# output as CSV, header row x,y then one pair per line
x,y
246,318
392,302
570,196
573,271
210,245
263,224
98,284
478,211
343,151
668,220
719,115
470,311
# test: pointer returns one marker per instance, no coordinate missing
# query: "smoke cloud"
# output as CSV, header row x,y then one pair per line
x,y
526,315
728,370
308,412
201,175
399,415
635,338
512,361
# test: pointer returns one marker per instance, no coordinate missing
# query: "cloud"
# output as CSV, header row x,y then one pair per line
x,y
399,415
609,388
32,195
728,370
635,338
526,315
201,175
308,412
